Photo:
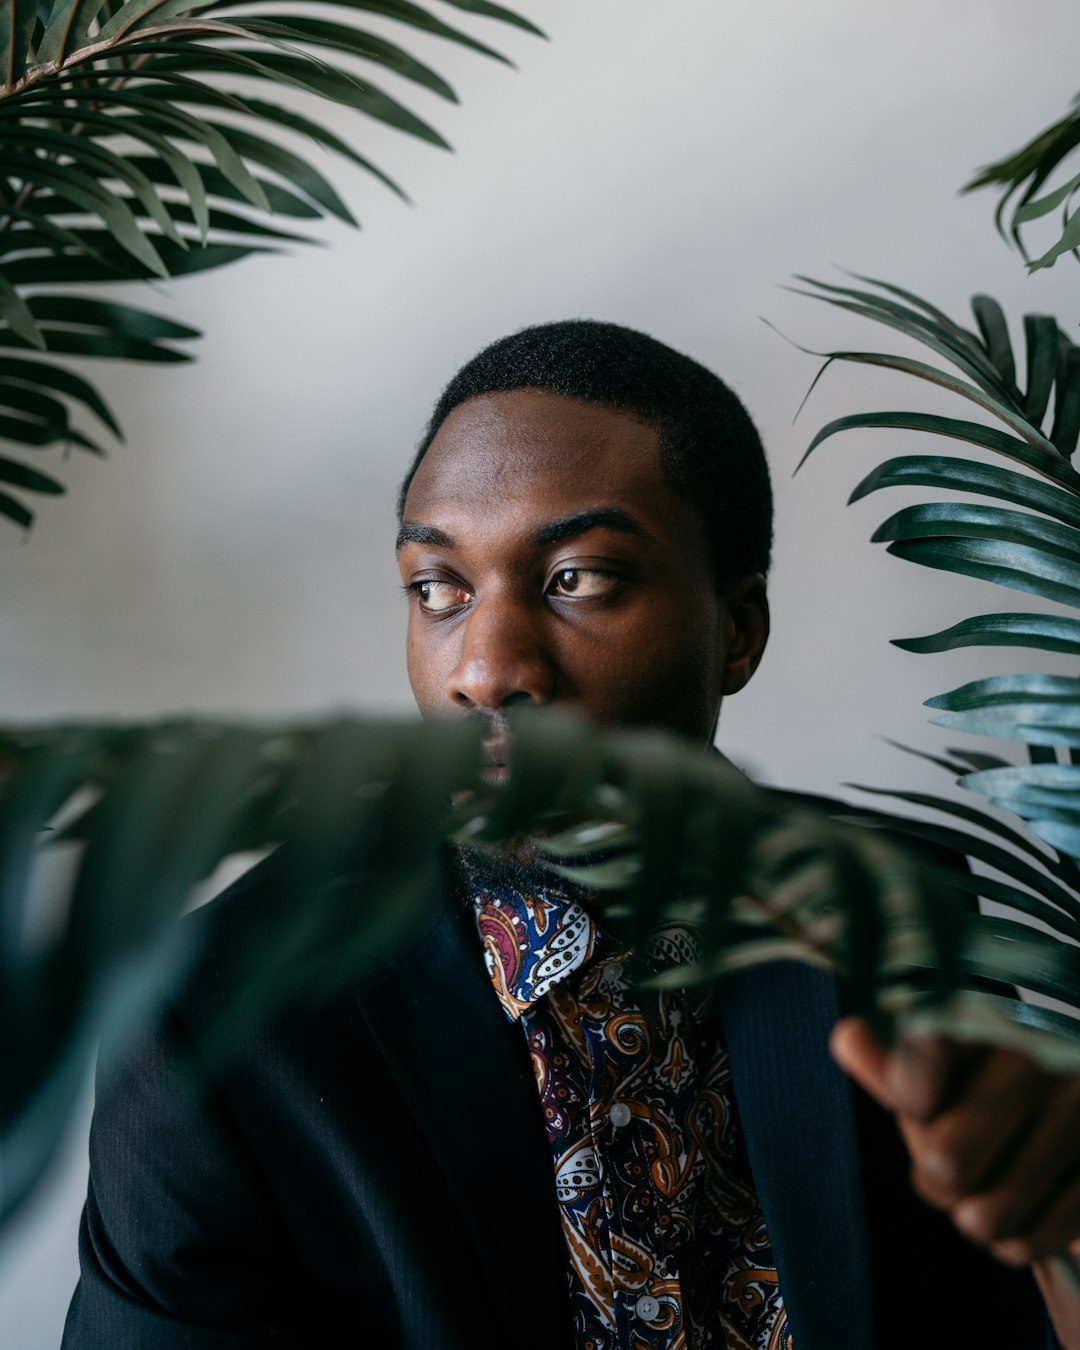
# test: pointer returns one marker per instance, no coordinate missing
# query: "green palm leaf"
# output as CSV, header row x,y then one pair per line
x,y
413,16
1043,342
1050,633
964,475
181,169
1067,413
1016,840
20,475
359,809
79,190
956,520
1035,549
975,433
998,689
294,121
344,37
1047,796
1031,868
1006,564
95,162
113,171
1025,172
108,265
1020,423
44,375
16,314
924,323
69,23
46,418
17,19
297,172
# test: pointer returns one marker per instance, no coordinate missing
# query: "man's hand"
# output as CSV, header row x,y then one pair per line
x,y
994,1141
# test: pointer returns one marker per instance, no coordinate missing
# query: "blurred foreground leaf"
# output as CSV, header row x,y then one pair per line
x,y
105,830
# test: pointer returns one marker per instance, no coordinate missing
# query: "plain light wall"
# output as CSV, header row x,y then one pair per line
x,y
664,166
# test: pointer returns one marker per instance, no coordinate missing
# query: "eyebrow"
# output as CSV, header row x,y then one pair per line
x,y
422,534
567,527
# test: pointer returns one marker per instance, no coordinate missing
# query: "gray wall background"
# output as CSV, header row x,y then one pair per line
x,y
665,166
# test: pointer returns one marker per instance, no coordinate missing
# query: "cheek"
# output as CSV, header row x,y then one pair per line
x,y
651,673
427,678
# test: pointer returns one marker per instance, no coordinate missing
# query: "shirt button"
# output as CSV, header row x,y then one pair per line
x,y
619,1115
647,1308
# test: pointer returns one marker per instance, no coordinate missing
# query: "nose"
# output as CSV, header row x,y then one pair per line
x,y
503,659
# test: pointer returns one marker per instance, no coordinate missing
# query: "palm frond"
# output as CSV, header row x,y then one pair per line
x,y
130,133
1049,633
1034,549
1026,172
105,829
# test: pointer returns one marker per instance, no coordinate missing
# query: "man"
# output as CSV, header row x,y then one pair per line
x,y
499,1139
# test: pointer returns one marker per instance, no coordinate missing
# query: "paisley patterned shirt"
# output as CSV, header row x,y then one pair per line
x,y
666,1239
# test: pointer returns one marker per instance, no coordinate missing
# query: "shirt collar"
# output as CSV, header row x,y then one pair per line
x,y
532,940
536,931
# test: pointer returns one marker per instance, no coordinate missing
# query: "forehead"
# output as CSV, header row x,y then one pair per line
x,y
542,451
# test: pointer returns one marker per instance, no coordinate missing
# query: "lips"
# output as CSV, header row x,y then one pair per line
x,y
495,751
494,756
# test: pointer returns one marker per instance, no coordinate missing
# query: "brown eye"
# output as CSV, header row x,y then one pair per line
x,y
436,597
582,583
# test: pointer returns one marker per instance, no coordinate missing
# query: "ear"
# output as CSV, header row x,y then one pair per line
x,y
746,630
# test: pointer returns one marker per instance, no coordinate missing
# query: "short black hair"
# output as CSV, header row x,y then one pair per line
x,y
710,450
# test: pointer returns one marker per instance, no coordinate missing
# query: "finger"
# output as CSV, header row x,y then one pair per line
x,y
927,1073
918,1076
1060,1224
1036,1200
1056,1284
975,1144
857,1052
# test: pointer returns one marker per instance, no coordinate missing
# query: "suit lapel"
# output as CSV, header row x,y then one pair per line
x,y
798,1122
465,1072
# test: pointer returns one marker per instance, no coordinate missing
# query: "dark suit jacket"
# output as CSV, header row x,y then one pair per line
x,y
372,1171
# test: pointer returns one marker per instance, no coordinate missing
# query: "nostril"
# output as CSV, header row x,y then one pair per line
x,y
502,660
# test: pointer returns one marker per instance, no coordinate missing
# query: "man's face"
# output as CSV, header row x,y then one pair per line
x,y
547,560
